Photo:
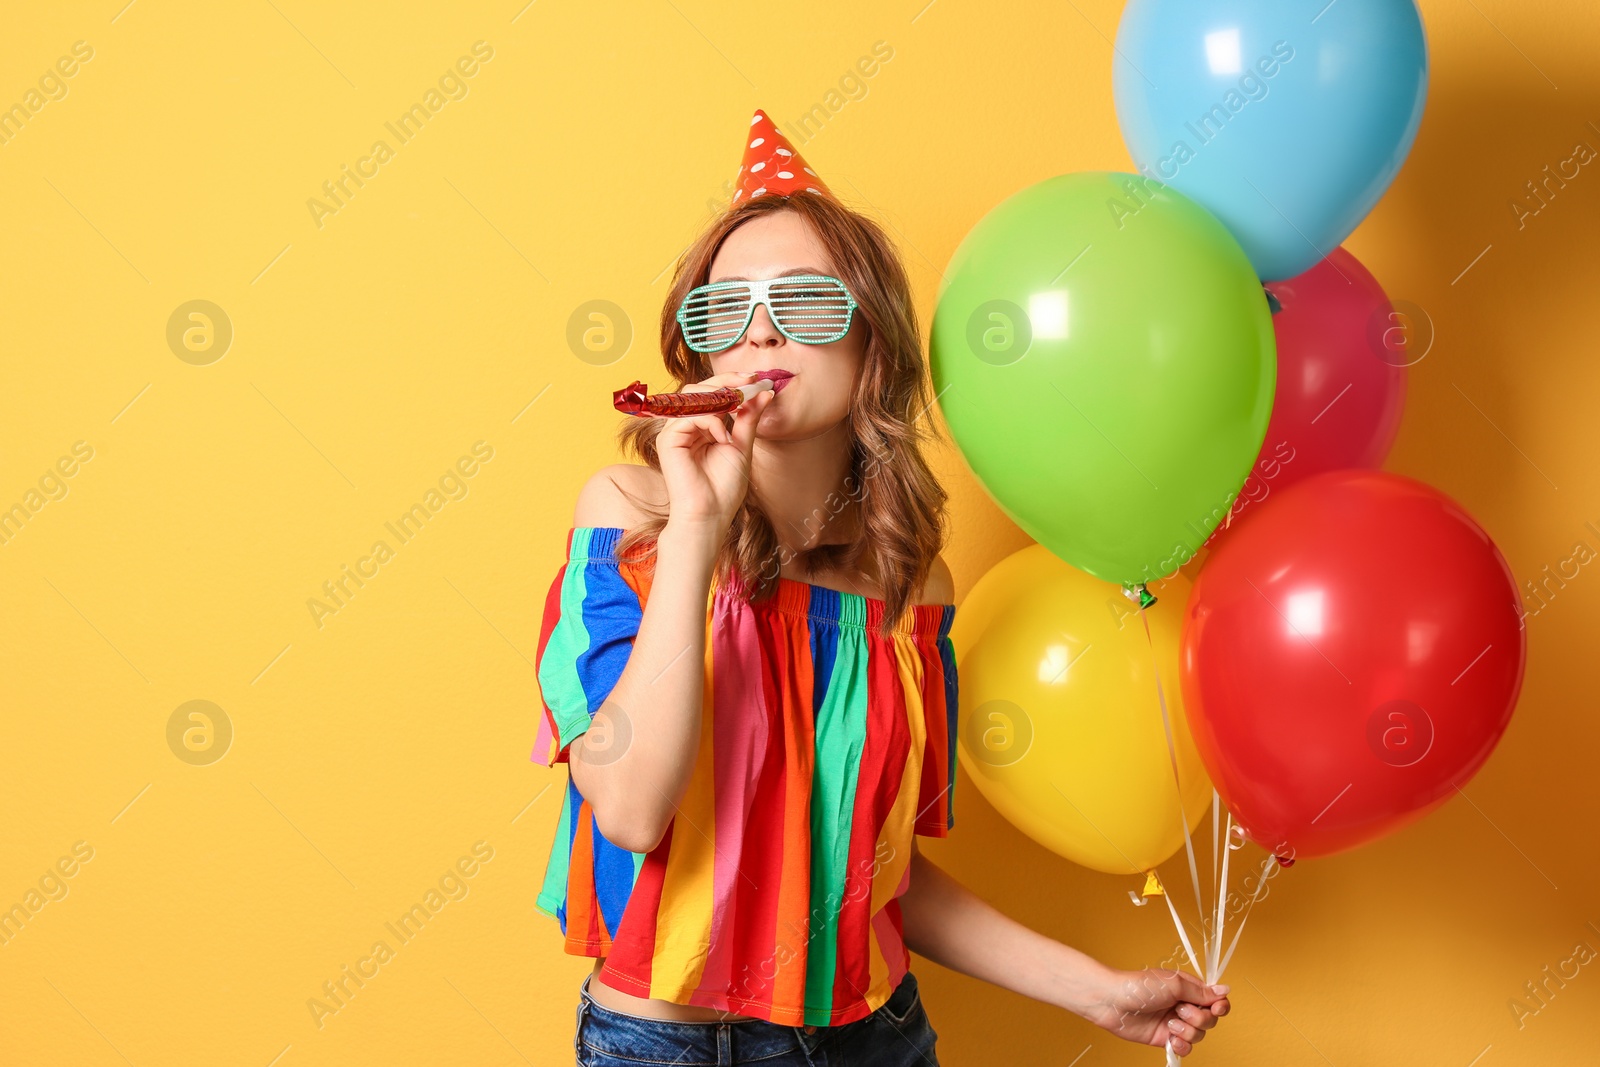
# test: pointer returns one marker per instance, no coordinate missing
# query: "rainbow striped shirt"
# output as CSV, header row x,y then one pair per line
x,y
824,747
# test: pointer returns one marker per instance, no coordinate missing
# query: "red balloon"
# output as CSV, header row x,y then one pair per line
x,y
1350,655
1341,380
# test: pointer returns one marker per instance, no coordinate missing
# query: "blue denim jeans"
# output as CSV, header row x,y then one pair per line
x,y
898,1034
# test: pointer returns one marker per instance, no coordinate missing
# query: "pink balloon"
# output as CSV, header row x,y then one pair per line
x,y
1341,379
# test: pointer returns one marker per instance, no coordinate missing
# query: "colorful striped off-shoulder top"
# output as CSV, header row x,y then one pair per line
x,y
824,747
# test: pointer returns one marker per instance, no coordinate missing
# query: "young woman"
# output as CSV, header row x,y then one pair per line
x,y
745,663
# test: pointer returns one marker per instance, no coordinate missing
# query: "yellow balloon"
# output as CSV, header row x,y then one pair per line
x,y
1060,722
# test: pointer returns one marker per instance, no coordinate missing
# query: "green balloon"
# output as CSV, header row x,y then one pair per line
x,y
1103,354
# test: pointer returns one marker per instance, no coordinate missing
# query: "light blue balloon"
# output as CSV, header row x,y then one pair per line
x,y
1287,119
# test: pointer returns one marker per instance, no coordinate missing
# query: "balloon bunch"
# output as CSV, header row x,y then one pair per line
x,y
1181,368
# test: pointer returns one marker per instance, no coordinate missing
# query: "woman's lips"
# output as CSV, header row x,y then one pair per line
x,y
779,379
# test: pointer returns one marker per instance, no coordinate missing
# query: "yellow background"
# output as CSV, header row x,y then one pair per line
x,y
430,312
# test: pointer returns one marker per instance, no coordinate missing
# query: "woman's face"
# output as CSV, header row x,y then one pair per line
x,y
819,395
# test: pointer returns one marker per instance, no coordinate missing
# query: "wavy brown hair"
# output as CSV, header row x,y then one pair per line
x,y
902,505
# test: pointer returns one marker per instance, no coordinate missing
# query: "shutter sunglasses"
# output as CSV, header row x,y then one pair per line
x,y
812,309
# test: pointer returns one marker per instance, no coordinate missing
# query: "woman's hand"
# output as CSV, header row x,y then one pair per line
x,y
1155,1005
706,465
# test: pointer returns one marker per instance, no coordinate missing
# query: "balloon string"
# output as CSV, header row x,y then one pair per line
x,y
1183,819
1216,807
1183,816
1214,972
1211,945
1183,934
1262,884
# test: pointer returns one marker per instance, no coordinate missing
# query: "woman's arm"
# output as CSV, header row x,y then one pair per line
x,y
949,924
635,768
954,927
634,762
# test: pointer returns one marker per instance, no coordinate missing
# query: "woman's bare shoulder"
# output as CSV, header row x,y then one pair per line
x,y
605,497
940,588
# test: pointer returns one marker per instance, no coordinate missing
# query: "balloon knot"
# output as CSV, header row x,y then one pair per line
x,y
1139,594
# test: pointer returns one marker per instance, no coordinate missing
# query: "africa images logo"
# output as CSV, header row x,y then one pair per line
x,y
452,85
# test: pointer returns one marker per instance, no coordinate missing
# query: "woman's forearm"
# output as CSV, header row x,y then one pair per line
x,y
949,924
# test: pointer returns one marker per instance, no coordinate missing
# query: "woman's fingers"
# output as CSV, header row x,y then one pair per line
x,y
688,432
746,418
1181,1031
1190,1028
1187,987
717,381
715,426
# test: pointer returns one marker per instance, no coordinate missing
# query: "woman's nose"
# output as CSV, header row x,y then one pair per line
x,y
762,332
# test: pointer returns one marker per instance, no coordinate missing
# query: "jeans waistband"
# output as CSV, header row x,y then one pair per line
x,y
702,1043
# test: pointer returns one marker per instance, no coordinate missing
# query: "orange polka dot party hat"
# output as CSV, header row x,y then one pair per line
x,y
771,165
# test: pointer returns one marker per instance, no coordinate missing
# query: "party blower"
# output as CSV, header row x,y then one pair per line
x,y
636,400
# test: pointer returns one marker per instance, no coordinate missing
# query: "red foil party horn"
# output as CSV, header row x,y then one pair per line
x,y
634,400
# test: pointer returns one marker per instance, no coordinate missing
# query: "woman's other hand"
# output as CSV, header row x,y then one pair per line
x,y
706,465
1153,1006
